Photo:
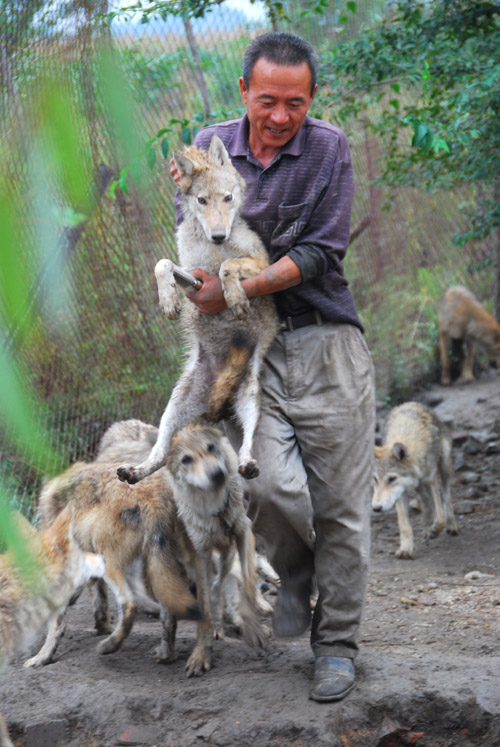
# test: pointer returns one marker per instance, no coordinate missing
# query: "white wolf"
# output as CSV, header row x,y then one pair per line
x,y
416,452
226,349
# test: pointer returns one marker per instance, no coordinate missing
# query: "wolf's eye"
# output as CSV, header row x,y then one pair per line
x,y
228,198
202,201
187,459
211,448
391,478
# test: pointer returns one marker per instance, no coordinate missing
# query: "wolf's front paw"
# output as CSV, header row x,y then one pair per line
x,y
198,663
37,661
249,469
161,655
108,645
126,473
170,305
404,554
237,301
240,307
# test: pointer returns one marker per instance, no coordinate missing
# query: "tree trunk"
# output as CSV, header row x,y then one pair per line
x,y
198,71
273,15
496,254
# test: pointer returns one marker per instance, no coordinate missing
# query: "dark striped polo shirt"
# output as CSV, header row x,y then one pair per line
x,y
300,205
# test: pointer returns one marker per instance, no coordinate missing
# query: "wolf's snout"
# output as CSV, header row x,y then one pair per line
x,y
217,477
218,237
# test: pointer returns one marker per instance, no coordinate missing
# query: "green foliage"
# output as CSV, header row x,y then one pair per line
x,y
426,79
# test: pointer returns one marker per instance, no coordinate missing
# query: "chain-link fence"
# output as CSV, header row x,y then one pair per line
x,y
105,351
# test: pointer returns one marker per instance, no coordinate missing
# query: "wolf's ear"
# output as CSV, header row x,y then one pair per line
x,y
186,170
185,167
217,151
400,452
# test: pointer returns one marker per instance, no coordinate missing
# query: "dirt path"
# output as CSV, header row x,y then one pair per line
x,y
428,669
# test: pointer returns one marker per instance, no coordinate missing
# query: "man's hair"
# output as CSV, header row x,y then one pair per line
x,y
282,49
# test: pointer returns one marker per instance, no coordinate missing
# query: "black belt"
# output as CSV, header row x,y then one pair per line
x,y
301,320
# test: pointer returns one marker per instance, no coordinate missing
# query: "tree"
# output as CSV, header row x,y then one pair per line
x,y
430,69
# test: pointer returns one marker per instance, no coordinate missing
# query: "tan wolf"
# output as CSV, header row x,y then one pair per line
x,y
226,349
416,452
462,317
142,532
135,531
29,598
134,439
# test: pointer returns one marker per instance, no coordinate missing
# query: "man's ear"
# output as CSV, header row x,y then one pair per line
x,y
243,90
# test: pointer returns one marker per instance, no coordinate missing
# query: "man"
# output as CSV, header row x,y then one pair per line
x,y
314,441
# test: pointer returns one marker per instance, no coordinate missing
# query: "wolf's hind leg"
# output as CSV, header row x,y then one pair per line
x,y
444,342
127,610
166,653
99,593
54,634
247,409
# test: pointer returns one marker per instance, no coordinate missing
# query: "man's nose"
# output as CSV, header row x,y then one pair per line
x,y
279,115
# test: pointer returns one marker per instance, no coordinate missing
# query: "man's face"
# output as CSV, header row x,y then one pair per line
x,y
277,101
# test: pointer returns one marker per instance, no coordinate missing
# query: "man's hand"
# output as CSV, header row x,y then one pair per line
x,y
210,298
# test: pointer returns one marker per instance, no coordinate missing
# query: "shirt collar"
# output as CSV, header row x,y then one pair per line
x,y
238,145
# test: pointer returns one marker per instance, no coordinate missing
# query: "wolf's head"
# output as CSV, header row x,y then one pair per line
x,y
211,188
395,475
201,457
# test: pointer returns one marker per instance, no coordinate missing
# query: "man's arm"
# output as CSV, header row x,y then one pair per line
x,y
210,299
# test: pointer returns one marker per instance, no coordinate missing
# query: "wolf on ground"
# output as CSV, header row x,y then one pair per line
x,y
32,596
226,350
414,457
179,526
462,317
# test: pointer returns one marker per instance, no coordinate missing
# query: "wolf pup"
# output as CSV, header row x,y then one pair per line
x,y
136,532
462,317
416,452
226,349
29,598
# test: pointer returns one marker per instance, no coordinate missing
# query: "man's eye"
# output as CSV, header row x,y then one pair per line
x,y
228,198
202,201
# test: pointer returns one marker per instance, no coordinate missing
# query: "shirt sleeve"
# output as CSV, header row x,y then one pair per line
x,y
323,243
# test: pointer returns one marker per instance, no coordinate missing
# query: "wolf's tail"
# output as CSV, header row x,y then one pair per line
x,y
166,579
229,378
56,493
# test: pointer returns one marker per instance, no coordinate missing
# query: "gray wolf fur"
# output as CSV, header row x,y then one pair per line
x,y
415,454
27,602
462,317
226,349
166,523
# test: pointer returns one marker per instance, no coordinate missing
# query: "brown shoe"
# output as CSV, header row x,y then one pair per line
x,y
333,678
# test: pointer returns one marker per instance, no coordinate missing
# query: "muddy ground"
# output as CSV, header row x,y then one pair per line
x,y
428,668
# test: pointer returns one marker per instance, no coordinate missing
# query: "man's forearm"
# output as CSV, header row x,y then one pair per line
x,y
276,277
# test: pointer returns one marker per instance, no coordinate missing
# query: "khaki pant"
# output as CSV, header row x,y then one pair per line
x,y
314,446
